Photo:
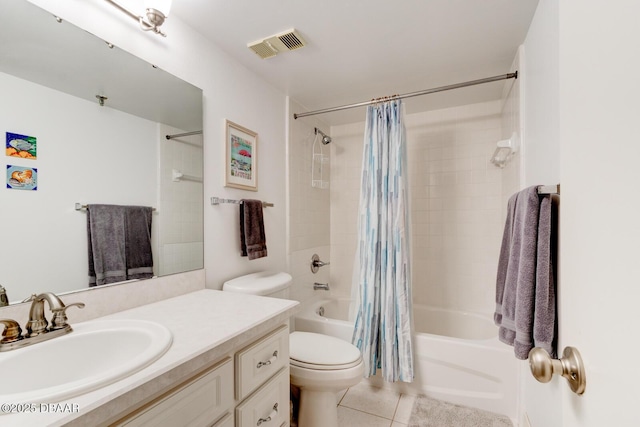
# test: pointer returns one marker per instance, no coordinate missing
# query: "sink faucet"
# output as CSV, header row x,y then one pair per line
x,y
38,324
38,328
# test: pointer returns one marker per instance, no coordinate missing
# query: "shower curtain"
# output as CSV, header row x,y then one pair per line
x,y
382,271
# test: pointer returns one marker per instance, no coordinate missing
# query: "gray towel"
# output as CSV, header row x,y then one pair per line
x,y
138,242
253,242
119,243
525,286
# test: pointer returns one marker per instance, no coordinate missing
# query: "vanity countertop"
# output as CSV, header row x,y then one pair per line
x,y
206,326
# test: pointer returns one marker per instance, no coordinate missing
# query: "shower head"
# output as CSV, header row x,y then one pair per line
x,y
325,138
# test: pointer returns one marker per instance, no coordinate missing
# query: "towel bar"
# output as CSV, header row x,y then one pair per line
x,y
549,189
81,207
218,200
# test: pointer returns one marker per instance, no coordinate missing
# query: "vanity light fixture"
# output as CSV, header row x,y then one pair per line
x,y
156,12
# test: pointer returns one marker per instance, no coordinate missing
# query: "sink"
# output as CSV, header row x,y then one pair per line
x,y
94,354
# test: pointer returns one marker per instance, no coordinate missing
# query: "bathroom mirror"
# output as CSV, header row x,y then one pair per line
x,y
54,77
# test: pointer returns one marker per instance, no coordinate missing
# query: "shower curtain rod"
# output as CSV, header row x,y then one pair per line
x,y
409,95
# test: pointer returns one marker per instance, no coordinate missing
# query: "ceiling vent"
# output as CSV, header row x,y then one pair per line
x,y
272,45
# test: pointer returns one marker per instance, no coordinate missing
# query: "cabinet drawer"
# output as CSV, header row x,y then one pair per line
x,y
267,407
197,403
258,362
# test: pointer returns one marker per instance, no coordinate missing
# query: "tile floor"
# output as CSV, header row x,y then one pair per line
x,y
366,405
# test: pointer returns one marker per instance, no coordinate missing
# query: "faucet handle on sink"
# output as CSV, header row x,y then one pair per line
x,y
12,331
59,320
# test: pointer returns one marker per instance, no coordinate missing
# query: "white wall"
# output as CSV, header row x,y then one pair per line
x,y
52,251
455,205
230,92
309,217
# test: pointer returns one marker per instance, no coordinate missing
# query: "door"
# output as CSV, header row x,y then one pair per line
x,y
600,208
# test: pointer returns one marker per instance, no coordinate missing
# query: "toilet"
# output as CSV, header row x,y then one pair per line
x,y
319,365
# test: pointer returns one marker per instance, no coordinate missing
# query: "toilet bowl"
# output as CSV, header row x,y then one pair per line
x,y
319,365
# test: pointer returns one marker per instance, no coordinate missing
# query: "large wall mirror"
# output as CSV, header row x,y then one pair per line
x,y
53,79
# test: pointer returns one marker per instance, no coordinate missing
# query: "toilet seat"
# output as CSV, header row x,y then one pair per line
x,y
321,352
300,364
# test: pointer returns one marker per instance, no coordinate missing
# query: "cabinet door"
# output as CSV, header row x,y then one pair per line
x,y
268,406
196,403
225,422
256,363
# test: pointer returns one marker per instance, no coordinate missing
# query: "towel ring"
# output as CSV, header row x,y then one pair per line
x,y
570,366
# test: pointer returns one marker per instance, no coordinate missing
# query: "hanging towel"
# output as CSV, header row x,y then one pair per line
x,y
138,242
119,243
525,286
252,238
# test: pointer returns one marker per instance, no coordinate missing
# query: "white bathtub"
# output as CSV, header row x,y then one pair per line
x,y
457,356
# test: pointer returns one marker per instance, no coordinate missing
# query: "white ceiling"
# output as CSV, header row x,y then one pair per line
x,y
362,49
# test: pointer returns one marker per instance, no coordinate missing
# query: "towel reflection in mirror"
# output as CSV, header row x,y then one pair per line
x,y
119,243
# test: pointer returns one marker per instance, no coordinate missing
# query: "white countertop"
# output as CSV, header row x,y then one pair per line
x,y
206,325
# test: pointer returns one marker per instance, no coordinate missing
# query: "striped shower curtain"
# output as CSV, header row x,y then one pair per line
x,y
382,271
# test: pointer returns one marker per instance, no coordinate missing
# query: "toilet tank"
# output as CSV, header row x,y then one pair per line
x,y
265,283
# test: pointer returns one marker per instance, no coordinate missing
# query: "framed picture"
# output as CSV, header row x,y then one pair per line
x,y
241,160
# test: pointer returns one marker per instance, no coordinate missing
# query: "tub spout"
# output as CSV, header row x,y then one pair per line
x,y
320,286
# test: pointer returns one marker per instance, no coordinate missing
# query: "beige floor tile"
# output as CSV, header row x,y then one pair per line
x,y
403,412
372,400
348,417
397,424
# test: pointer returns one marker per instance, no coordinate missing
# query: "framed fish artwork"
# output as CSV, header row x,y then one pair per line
x,y
241,165
21,178
22,146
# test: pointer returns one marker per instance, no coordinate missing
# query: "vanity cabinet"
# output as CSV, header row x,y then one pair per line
x,y
198,402
259,374
268,406
259,361
262,380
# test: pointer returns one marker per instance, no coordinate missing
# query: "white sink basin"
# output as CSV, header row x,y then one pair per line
x,y
93,355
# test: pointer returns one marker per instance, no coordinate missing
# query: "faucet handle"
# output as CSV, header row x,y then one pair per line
x,y
12,331
316,263
59,320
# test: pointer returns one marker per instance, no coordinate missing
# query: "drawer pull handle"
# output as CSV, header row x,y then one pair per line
x,y
271,416
270,361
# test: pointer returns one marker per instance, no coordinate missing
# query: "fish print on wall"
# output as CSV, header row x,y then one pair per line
x,y
21,178
21,146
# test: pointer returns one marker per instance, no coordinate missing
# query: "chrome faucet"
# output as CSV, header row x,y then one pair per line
x,y
320,286
38,328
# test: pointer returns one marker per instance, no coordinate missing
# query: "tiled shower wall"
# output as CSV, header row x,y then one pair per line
x,y
308,219
181,205
456,205
512,126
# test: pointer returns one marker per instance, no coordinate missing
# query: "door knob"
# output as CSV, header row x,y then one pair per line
x,y
570,366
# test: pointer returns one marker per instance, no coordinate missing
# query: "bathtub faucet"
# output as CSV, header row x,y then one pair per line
x,y
316,263
320,286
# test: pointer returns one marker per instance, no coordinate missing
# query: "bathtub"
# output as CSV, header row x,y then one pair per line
x,y
457,355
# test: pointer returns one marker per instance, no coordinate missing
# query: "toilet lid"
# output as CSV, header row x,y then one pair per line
x,y
317,351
